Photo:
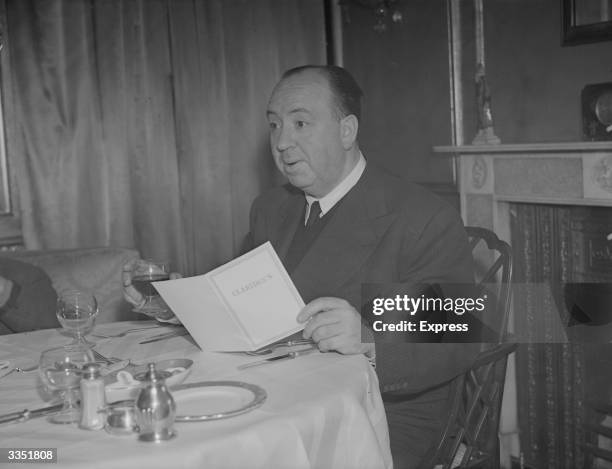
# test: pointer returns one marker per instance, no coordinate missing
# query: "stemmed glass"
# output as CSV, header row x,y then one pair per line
x,y
76,312
60,370
144,273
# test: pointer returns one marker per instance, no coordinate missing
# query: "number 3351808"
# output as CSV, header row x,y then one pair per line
x,y
32,455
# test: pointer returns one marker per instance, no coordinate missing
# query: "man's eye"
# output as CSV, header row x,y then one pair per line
x,y
300,124
273,125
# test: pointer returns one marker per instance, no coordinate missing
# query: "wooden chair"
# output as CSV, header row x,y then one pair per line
x,y
470,437
598,430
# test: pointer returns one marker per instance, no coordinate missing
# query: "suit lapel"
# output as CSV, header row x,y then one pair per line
x,y
347,240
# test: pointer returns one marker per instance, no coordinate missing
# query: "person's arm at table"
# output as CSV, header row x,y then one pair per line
x,y
439,255
27,298
334,325
136,299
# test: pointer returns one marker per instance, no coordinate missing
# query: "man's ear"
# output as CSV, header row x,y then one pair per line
x,y
349,127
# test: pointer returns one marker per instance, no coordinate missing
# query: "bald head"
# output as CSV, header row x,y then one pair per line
x,y
345,92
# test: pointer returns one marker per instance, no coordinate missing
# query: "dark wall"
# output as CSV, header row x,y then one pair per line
x,y
404,75
535,82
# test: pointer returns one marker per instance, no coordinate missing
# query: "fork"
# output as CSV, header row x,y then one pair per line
x,y
288,343
124,333
108,360
5,364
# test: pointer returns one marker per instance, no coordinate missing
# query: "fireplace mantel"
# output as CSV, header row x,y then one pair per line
x,y
564,173
527,148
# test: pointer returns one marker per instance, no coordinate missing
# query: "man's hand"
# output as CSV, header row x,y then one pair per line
x,y
135,298
333,324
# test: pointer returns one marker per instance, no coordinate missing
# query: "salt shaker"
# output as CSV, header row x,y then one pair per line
x,y
155,408
93,399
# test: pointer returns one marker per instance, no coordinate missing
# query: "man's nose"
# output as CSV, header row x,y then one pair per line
x,y
284,139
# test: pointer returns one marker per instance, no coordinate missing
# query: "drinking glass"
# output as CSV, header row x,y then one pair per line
x,y
76,312
60,371
144,273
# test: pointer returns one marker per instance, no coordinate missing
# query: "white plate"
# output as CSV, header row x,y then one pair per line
x,y
213,400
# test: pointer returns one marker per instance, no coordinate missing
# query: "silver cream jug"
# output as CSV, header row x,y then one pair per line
x,y
155,408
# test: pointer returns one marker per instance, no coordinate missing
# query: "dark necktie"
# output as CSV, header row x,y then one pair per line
x,y
314,215
305,235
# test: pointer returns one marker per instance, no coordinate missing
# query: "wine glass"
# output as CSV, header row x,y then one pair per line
x,y
76,312
144,273
60,370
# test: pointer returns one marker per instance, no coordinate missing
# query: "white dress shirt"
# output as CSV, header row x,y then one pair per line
x,y
328,201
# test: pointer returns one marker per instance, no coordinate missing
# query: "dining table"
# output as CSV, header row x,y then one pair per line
x,y
321,410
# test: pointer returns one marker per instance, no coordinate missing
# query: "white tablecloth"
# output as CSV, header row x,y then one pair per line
x,y
322,411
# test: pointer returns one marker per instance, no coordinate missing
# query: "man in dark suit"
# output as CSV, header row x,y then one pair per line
x,y
27,298
341,223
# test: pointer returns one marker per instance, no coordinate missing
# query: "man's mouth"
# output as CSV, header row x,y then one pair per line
x,y
290,164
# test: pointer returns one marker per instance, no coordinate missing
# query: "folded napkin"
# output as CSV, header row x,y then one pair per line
x,y
124,380
124,388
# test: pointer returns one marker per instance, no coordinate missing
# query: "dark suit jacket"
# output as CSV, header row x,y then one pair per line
x,y
384,231
32,302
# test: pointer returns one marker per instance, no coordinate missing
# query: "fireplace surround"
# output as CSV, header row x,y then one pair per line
x,y
547,389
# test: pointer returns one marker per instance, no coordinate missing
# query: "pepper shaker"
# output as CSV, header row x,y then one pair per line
x,y
93,399
155,408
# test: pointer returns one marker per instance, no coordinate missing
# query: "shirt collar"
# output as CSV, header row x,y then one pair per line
x,y
332,198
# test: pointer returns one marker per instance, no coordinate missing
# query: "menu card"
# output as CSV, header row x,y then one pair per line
x,y
244,305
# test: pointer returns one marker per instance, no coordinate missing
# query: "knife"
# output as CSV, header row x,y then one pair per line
x,y
25,414
286,356
167,335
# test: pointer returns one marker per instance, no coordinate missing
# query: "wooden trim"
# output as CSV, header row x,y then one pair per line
x,y
6,113
529,199
10,223
524,148
455,65
333,20
573,34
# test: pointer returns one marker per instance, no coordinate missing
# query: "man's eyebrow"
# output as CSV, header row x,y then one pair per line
x,y
299,109
296,110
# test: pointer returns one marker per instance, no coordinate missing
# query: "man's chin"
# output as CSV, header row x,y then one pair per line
x,y
298,182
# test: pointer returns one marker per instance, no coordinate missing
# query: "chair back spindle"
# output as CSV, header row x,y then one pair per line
x,y
470,437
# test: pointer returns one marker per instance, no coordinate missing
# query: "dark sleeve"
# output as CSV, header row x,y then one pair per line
x,y
247,244
255,236
440,254
31,305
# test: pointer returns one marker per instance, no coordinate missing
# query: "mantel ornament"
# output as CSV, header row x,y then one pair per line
x,y
602,173
597,111
485,135
479,172
484,117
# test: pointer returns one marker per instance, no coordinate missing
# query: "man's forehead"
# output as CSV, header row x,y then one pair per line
x,y
301,92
